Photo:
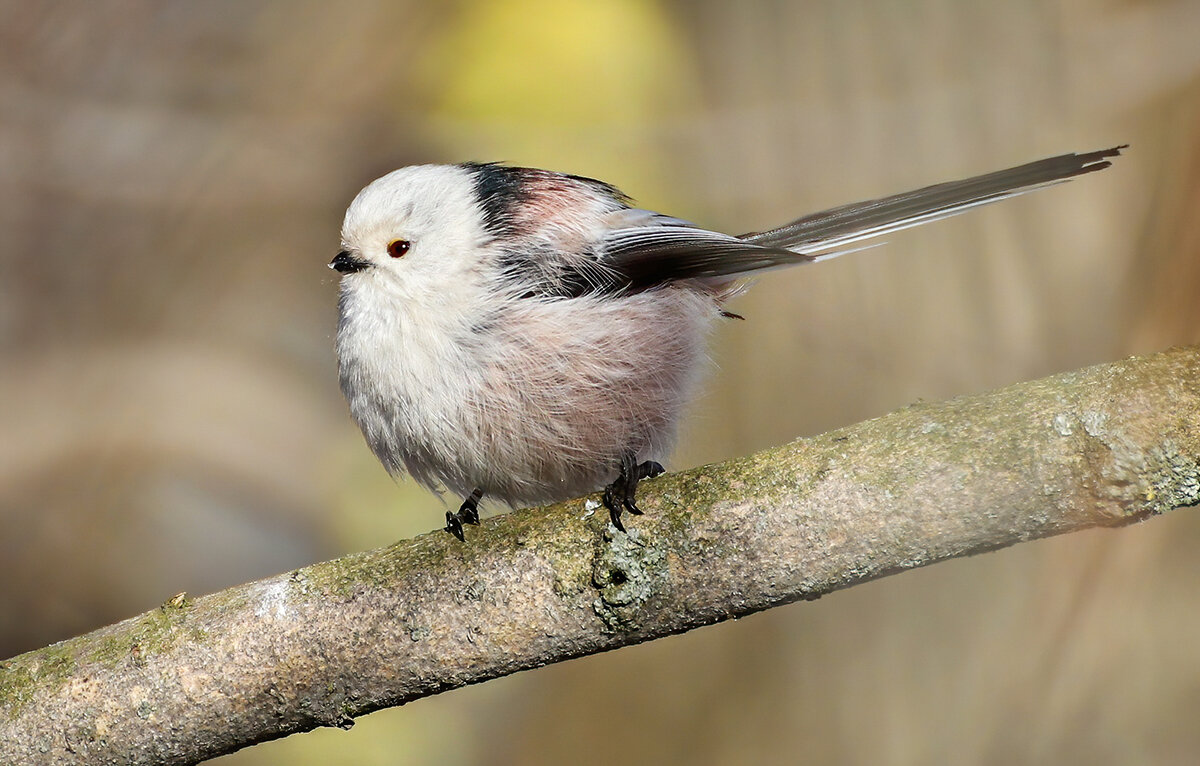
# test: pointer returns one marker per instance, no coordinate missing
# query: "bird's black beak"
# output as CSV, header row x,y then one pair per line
x,y
345,263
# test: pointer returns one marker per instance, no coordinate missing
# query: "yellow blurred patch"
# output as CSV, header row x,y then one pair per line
x,y
576,85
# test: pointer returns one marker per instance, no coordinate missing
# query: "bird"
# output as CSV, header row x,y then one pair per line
x,y
530,336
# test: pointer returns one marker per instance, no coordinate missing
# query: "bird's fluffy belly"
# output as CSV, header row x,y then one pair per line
x,y
557,393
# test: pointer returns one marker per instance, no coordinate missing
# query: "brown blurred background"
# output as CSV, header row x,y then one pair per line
x,y
172,179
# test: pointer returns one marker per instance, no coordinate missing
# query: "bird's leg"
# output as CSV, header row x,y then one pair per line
x,y
621,494
469,510
468,513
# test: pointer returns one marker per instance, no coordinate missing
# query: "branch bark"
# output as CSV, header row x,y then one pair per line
x,y
196,678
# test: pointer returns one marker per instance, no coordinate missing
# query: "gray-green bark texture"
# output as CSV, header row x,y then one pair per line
x,y
198,677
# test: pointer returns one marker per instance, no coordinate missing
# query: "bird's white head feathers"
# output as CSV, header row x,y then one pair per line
x,y
433,208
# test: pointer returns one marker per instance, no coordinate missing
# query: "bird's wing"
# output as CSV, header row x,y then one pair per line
x,y
637,258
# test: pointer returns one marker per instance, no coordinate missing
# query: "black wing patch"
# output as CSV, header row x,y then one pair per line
x,y
642,258
500,191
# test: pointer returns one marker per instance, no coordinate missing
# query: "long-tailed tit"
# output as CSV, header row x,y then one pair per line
x,y
531,336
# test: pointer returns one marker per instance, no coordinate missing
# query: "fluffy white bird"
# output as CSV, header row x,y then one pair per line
x,y
531,336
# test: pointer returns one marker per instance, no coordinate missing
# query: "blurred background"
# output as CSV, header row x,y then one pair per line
x,y
172,181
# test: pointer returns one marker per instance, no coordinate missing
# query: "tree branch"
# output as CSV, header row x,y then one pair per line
x,y
196,678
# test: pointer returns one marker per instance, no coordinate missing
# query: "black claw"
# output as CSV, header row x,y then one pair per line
x,y
614,509
468,513
615,515
628,500
621,495
454,526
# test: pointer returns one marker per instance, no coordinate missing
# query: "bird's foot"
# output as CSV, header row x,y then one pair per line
x,y
468,513
621,494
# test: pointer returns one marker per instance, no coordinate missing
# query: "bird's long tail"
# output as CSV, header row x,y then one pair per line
x,y
641,257
835,231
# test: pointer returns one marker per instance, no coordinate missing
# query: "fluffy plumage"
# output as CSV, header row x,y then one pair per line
x,y
539,330
464,362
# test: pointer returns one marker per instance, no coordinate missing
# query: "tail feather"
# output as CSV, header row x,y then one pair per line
x,y
824,234
642,257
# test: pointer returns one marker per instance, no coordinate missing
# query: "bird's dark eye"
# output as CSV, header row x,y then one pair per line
x,y
397,248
